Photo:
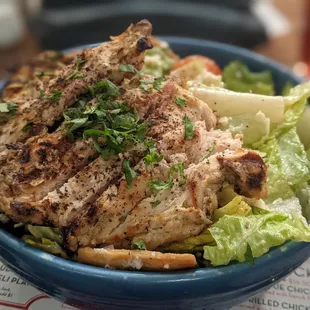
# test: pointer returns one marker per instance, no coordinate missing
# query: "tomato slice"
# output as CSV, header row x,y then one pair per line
x,y
210,64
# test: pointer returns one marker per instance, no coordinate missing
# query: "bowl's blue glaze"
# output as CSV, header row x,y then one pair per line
x,y
210,288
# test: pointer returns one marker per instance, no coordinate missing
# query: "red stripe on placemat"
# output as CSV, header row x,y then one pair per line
x,y
25,306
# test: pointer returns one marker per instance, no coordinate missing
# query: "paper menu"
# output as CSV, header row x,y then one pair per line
x,y
292,293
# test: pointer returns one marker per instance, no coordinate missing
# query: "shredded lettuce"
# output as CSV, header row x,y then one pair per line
x,y
45,245
235,235
238,77
45,232
47,239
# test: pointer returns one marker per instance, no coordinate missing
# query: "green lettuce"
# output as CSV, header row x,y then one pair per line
x,y
253,127
235,207
236,236
303,195
45,238
45,232
237,77
293,111
288,165
191,244
45,245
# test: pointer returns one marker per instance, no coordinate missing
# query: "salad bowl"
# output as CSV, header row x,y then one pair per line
x,y
88,287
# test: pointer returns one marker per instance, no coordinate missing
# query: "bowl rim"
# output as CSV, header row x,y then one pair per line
x,y
11,243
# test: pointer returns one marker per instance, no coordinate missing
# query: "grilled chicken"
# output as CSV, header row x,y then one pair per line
x,y
25,80
94,64
49,179
122,216
59,206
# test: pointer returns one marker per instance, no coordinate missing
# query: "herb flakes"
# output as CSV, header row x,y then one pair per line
x,y
180,101
129,173
189,128
210,150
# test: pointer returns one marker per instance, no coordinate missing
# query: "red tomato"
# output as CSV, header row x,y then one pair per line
x,y
210,64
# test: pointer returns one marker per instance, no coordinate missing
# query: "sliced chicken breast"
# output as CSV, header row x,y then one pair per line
x,y
94,64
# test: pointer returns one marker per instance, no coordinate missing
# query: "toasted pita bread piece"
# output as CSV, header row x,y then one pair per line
x,y
136,259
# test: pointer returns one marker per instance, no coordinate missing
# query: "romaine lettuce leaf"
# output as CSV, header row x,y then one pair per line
x,y
45,245
277,182
46,232
235,207
46,238
237,77
288,165
290,206
294,110
253,127
304,197
229,103
283,112
191,244
294,158
235,234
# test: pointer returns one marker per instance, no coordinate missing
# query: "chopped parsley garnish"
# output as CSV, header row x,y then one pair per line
x,y
44,73
78,63
161,185
189,128
146,84
7,110
151,83
55,97
7,107
129,173
42,94
128,68
152,156
177,168
139,245
75,75
158,83
27,127
180,101
155,203
106,89
112,125
210,150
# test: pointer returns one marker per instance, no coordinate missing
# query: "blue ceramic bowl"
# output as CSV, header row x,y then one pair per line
x,y
209,288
